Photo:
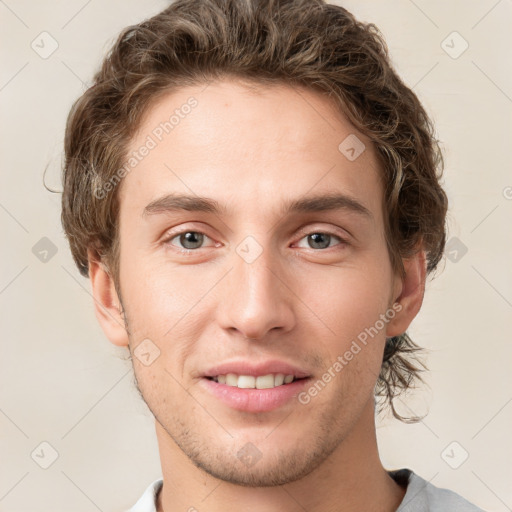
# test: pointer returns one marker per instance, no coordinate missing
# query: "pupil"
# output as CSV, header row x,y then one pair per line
x,y
191,240
316,239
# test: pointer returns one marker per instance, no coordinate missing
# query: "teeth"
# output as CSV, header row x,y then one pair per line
x,y
249,382
279,379
246,381
231,379
264,382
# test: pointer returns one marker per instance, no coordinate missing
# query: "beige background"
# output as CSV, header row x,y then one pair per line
x,y
61,382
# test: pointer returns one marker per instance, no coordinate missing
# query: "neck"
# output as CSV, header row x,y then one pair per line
x,y
351,479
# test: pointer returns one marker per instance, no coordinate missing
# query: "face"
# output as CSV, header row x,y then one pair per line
x,y
261,271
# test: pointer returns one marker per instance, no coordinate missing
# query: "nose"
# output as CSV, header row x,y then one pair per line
x,y
257,297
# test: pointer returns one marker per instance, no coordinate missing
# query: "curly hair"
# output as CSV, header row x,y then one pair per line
x,y
307,43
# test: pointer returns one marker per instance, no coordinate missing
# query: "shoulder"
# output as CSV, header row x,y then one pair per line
x,y
422,496
147,502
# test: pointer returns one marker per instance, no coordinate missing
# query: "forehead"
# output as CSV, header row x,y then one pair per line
x,y
228,141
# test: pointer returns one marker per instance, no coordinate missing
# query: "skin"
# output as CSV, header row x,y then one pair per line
x,y
253,151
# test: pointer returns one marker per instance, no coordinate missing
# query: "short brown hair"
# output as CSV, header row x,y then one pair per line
x,y
306,43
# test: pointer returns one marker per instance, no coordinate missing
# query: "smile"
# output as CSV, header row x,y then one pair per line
x,y
254,382
243,395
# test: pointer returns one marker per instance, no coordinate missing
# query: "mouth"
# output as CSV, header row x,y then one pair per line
x,y
268,381
254,394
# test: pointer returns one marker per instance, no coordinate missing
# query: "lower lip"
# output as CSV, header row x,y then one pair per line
x,y
254,400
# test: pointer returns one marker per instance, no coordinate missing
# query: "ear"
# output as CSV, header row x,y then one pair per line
x,y
409,292
107,305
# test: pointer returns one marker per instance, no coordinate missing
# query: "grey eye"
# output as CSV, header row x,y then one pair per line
x,y
191,239
319,240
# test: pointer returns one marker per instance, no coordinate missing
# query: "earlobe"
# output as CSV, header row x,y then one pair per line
x,y
410,296
107,306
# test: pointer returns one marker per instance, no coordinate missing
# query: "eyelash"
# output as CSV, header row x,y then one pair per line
x,y
183,250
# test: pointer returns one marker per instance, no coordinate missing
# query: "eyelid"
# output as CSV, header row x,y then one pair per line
x,y
303,232
171,235
342,242
342,234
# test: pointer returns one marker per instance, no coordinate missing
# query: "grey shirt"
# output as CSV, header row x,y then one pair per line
x,y
421,496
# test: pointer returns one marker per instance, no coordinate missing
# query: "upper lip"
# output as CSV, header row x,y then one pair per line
x,y
241,367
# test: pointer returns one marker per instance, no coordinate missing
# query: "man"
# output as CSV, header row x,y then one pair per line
x,y
255,196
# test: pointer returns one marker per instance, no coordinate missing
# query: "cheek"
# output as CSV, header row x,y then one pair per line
x,y
158,296
164,304
348,299
351,306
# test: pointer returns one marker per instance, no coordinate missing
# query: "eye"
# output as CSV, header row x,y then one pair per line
x,y
322,240
189,240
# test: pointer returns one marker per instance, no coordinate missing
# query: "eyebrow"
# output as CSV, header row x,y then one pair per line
x,y
317,203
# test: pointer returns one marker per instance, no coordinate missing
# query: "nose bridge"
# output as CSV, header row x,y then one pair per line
x,y
255,299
